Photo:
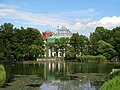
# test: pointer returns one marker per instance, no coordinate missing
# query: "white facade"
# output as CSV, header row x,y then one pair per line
x,y
60,33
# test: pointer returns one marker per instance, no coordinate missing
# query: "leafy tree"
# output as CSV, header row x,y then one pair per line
x,y
15,42
99,34
36,51
70,54
31,36
116,40
75,43
84,43
6,33
106,49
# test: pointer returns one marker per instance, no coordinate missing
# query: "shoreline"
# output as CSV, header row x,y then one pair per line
x,y
59,61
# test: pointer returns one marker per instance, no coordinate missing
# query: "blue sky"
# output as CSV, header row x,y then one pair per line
x,y
81,16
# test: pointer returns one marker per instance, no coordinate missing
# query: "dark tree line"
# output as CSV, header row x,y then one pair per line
x,y
27,44
20,44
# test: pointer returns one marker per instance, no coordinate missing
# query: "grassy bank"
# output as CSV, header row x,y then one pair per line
x,y
113,84
113,81
2,75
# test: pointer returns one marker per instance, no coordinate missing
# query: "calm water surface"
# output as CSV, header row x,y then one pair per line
x,y
56,76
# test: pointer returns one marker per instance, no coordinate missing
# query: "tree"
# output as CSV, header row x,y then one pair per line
x,y
84,43
106,49
36,51
70,53
15,42
99,34
28,37
6,34
116,40
75,43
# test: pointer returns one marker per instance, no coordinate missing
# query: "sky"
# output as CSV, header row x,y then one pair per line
x,y
81,16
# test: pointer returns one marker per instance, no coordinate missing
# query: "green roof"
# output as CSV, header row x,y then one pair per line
x,y
51,40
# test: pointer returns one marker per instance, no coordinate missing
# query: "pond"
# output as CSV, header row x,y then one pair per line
x,y
56,76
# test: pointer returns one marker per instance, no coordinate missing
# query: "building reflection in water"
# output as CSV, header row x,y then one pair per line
x,y
62,76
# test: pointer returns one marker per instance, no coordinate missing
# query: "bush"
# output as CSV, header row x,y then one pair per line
x,y
2,75
113,84
99,58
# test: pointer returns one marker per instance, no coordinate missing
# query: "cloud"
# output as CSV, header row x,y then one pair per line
x,y
7,6
31,18
53,20
13,13
107,22
90,12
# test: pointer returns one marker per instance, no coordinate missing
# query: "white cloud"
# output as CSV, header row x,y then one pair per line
x,y
31,18
90,12
107,22
7,6
75,24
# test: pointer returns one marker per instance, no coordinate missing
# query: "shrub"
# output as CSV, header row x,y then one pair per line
x,y
113,84
99,58
2,75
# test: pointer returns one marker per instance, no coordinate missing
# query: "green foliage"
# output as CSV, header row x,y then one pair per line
x,y
1,57
84,44
36,51
99,58
113,84
63,45
113,81
116,39
94,38
106,49
15,42
2,75
80,44
109,36
70,54
75,43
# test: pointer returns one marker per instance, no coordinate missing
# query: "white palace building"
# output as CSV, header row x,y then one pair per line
x,y
49,38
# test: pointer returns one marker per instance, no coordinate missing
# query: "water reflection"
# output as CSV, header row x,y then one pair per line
x,y
58,76
63,76
48,86
68,85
